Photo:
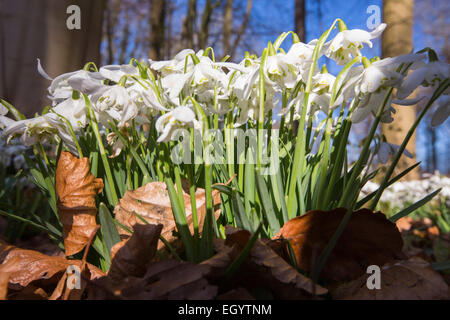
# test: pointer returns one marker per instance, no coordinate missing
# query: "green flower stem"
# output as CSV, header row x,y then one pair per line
x,y
105,161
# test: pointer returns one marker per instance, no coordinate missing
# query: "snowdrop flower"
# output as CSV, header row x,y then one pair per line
x,y
348,43
116,72
145,97
63,85
203,76
12,154
430,74
176,65
4,120
180,117
440,115
47,127
279,70
377,75
301,53
387,149
74,110
116,104
370,104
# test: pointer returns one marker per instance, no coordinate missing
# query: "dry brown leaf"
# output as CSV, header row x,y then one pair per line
x,y
152,202
412,279
133,256
25,267
4,279
219,262
369,238
404,224
29,293
265,266
168,279
76,188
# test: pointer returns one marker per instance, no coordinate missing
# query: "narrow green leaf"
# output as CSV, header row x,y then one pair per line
x,y
414,206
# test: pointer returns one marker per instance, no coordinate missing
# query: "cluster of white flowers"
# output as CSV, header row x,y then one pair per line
x,y
179,91
12,155
403,193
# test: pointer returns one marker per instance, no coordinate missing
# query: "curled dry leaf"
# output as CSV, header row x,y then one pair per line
x,y
76,188
369,238
222,259
152,202
4,279
412,279
264,265
133,256
24,267
168,279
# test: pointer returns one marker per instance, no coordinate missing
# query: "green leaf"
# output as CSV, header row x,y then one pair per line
x,y
108,228
414,206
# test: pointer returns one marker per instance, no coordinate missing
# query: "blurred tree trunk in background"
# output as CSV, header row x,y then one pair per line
x,y
398,39
242,28
187,34
227,26
300,25
158,10
32,29
206,19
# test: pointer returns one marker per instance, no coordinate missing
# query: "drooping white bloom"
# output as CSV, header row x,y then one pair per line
x,y
430,74
387,149
441,114
4,120
45,128
116,72
145,97
62,86
115,104
200,80
176,65
180,117
73,111
370,104
279,69
348,43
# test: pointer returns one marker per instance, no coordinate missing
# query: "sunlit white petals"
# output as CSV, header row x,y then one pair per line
x,y
116,104
374,77
429,75
41,70
180,117
348,43
73,111
116,72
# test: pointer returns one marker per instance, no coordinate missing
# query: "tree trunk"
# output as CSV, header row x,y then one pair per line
x,y
206,19
188,24
227,24
157,22
300,26
32,29
242,28
397,39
